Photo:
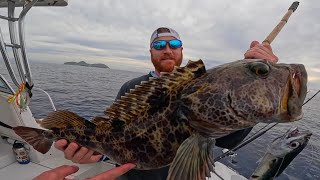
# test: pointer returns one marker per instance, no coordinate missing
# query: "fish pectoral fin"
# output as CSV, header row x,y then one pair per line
x,y
34,137
194,159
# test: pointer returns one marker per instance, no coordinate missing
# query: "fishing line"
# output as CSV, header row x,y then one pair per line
x,y
218,175
247,141
257,131
275,175
311,97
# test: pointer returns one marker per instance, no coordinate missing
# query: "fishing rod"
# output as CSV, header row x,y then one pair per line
x,y
268,40
280,25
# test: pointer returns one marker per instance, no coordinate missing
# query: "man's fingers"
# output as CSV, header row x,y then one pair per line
x,y
260,51
86,158
61,144
80,154
253,55
57,173
95,158
90,158
253,44
71,150
267,45
65,170
114,173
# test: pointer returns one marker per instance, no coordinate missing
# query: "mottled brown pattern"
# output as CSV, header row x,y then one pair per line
x,y
148,125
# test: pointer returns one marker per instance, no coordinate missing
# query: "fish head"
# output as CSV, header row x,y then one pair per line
x,y
261,91
292,141
242,93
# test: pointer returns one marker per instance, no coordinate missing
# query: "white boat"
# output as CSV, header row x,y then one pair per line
x,y
12,114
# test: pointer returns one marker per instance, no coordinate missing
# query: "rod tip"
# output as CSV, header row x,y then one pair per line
x,y
294,6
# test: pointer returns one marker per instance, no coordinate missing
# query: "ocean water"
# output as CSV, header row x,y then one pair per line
x,y
88,91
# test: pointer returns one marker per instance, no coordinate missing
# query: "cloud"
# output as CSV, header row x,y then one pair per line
x,y
215,31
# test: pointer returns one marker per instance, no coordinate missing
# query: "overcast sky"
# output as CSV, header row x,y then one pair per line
x,y
117,33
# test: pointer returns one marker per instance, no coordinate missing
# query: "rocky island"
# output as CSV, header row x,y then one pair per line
x,y
83,63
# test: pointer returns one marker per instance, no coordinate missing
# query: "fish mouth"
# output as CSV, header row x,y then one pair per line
x,y
295,133
294,93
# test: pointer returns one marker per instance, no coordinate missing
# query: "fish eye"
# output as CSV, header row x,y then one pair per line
x,y
259,68
294,144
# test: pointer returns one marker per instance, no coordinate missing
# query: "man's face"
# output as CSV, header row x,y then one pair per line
x,y
165,59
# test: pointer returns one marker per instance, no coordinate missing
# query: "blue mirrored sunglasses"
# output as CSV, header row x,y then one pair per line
x,y
174,44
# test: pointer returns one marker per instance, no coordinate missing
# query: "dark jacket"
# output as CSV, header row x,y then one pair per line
x,y
229,141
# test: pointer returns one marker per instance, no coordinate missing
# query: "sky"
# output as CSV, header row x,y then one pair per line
x,y
117,33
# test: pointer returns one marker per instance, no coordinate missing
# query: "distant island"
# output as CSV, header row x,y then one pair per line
x,y
82,63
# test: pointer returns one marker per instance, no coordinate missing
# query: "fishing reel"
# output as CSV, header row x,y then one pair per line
x,y
231,154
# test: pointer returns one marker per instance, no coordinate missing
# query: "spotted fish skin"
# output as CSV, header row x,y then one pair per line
x,y
159,127
149,126
232,96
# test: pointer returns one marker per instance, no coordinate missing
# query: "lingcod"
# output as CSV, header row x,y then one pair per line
x,y
175,119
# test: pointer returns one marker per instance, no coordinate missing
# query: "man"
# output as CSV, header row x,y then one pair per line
x,y
166,52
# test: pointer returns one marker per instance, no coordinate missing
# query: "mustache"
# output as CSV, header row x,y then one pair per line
x,y
167,57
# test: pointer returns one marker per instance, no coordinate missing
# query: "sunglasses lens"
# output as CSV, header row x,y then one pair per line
x,y
158,45
175,43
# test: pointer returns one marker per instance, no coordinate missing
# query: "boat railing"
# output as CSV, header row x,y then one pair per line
x,y
49,97
4,86
17,38
14,109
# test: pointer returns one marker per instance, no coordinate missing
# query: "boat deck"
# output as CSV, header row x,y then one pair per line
x,y
10,169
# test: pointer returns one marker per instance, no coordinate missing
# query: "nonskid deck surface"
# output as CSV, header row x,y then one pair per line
x,y
10,169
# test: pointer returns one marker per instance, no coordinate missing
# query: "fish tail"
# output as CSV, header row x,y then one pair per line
x,y
35,137
58,124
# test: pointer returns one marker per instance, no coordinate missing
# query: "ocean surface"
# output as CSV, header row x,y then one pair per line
x,y
88,91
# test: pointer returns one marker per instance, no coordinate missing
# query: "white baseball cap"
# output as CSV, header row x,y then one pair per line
x,y
163,31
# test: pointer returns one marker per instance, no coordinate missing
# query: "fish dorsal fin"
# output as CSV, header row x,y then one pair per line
x,y
63,119
149,95
197,67
103,122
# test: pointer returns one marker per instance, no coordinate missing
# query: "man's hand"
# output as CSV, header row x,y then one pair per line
x,y
75,153
60,173
114,173
260,51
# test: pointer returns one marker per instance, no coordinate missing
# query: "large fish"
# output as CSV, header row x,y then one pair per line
x,y
280,154
176,118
